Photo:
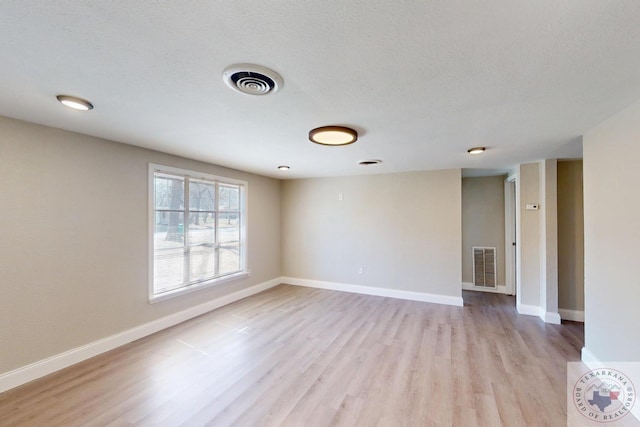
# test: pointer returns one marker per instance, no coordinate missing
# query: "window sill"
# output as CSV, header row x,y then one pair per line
x,y
193,288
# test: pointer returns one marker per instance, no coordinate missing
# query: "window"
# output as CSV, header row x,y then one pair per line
x,y
198,230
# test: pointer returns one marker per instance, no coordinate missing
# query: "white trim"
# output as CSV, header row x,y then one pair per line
x,y
551,317
529,310
154,167
534,310
589,358
150,225
60,361
518,263
500,289
244,211
371,290
510,234
192,288
573,315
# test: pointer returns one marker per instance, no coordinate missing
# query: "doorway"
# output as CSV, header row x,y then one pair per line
x,y
483,232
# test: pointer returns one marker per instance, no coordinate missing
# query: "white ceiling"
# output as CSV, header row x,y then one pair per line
x,y
422,81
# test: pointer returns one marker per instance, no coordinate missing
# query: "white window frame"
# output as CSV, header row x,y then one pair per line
x,y
188,288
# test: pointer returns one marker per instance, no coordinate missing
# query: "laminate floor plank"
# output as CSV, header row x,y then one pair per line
x,y
295,356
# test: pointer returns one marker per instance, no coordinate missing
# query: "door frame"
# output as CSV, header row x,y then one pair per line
x,y
510,234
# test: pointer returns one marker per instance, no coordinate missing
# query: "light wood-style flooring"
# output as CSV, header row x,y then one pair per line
x,y
295,356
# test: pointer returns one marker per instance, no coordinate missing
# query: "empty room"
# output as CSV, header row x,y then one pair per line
x,y
319,213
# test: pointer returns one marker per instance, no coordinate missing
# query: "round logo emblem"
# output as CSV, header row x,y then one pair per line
x,y
604,395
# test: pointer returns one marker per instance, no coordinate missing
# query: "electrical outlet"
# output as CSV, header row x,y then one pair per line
x,y
361,270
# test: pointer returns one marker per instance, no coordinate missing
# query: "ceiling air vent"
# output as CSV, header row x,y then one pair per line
x,y
252,79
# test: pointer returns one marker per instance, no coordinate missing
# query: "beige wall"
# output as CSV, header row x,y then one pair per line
x,y
612,237
529,248
482,221
549,240
73,252
570,236
403,229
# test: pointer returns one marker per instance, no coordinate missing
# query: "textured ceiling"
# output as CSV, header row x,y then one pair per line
x,y
421,81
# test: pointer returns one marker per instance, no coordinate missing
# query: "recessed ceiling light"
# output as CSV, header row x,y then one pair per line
x,y
333,135
284,168
370,162
476,150
75,103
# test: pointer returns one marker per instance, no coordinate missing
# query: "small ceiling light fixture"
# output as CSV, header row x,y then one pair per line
x,y
284,168
370,162
476,150
333,135
75,103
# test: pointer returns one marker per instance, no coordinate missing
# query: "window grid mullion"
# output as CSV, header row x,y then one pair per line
x,y
185,230
216,227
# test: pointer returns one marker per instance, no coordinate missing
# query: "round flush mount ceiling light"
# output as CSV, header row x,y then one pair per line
x,y
476,150
333,135
369,162
284,168
252,79
75,103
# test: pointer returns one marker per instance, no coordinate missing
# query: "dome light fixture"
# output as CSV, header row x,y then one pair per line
x,y
284,168
476,150
75,103
333,135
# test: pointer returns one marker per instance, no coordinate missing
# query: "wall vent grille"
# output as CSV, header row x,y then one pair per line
x,y
484,267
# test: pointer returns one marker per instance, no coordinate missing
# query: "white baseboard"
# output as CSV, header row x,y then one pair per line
x,y
551,317
371,290
500,289
60,361
529,310
589,358
534,310
573,315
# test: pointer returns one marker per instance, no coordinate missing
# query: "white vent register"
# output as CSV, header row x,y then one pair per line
x,y
484,267
252,79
